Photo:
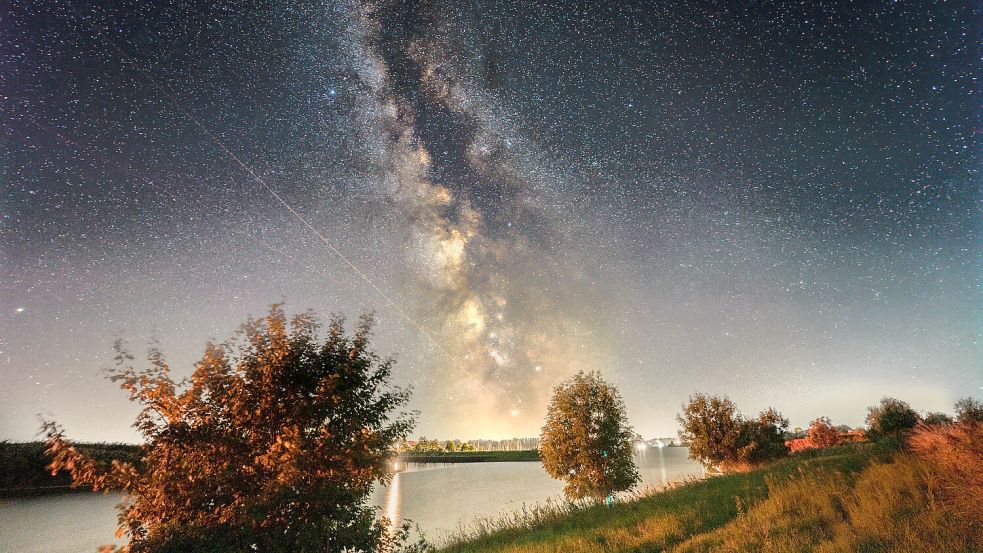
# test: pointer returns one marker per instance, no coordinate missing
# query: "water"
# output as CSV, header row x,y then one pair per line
x,y
438,498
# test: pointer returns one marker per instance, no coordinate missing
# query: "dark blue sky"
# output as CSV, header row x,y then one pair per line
x,y
778,202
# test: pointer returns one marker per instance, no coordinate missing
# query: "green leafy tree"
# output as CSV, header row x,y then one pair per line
x,y
762,439
935,418
969,410
587,441
272,444
718,436
711,427
890,418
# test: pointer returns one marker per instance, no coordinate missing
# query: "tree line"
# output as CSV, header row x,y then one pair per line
x,y
430,445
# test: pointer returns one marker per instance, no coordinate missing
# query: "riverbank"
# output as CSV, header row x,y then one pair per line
x,y
24,466
866,497
470,456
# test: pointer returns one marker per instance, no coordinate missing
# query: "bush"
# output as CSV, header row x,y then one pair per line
x,y
719,436
969,410
823,434
932,419
891,417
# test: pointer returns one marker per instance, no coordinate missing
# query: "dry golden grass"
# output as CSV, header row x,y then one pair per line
x,y
955,453
890,506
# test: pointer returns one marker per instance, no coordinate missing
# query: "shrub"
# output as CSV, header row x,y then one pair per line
x,y
762,439
932,419
969,410
823,434
719,436
891,417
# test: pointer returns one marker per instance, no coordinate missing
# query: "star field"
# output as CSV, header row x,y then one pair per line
x,y
778,201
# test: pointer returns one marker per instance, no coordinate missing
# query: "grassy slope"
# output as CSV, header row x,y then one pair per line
x,y
843,499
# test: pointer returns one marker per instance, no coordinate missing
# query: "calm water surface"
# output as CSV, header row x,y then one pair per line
x,y
439,498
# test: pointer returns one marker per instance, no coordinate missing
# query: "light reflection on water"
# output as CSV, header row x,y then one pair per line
x,y
440,499
392,500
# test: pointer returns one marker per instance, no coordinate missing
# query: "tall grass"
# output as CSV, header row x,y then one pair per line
x,y
890,506
955,453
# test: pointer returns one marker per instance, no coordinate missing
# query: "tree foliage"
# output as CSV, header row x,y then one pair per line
x,y
272,444
718,434
969,410
711,426
763,438
936,418
890,418
587,441
822,433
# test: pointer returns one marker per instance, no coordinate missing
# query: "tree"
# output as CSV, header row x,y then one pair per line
x,y
823,434
719,436
587,441
891,417
762,439
712,427
935,418
969,409
273,444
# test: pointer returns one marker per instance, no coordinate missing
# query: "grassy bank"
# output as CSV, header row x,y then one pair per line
x,y
470,456
861,497
23,466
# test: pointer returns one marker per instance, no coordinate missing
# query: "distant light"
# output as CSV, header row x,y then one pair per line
x,y
538,368
515,412
20,309
641,446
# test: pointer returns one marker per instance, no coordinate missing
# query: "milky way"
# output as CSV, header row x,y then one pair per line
x,y
496,286
776,202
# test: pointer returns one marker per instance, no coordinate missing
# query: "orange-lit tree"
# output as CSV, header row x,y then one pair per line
x,y
823,434
586,441
272,444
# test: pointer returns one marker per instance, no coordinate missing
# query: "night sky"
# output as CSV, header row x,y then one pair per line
x,y
778,202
